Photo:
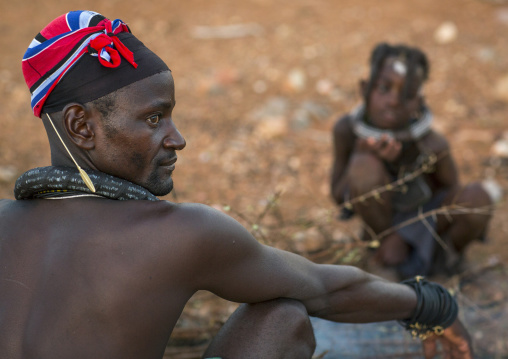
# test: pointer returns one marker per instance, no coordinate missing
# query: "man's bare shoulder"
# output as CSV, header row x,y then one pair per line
x,y
161,231
191,238
10,208
156,219
194,216
5,202
190,224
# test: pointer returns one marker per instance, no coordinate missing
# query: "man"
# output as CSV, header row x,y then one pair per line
x,y
390,166
93,265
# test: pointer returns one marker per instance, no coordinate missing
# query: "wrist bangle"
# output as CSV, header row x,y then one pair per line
x,y
436,309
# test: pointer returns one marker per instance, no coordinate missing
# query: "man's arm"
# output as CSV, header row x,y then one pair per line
x,y
226,260
223,257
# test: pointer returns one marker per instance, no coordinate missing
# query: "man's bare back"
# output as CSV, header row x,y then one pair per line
x,y
106,278
82,271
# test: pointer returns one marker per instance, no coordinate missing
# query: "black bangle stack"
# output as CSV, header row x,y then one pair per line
x,y
436,309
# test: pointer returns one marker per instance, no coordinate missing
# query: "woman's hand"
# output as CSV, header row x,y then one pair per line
x,y
385,148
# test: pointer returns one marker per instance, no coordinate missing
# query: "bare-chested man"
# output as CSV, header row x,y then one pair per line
x,y
95,266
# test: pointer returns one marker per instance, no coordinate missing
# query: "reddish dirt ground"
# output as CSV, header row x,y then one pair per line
x,y
269,164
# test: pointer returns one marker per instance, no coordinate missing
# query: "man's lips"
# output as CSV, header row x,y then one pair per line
x,y
169,164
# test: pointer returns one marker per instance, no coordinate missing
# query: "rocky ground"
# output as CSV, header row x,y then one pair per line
x,y
259,84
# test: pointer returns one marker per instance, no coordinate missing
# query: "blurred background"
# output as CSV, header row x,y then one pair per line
x,y
259,85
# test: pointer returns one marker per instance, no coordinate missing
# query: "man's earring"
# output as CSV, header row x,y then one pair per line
x,y
84,176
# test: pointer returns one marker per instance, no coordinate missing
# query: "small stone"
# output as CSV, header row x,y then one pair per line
x,y
486,54
501,88
310,52
296,80
315,110
324,87
294,163
205,157
446,33
300,119
272,127
275,106
478,335
455,108
283,31
500,147
259,86
272,74
337,95
502,16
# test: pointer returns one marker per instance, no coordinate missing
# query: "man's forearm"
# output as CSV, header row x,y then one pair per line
x,y
361,298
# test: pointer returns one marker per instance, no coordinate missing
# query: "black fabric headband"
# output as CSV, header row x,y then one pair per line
x,y
88,80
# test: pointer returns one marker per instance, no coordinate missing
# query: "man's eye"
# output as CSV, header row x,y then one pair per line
x,y
153,120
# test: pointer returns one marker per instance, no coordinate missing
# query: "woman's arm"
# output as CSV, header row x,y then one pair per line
x,y
343,145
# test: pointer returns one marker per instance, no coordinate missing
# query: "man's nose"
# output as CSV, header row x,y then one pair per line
x,y
174,139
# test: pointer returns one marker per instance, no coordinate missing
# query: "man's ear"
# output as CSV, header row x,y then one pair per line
x,y
79,125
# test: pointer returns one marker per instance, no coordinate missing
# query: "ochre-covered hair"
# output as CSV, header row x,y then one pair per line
x,y
415,60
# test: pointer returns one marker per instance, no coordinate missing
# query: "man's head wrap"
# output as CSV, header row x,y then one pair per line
x,y
78,58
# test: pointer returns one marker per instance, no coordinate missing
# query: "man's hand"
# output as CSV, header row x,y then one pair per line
x,y
455,342
386,147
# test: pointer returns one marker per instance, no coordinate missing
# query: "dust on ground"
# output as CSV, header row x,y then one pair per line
x,y
259,84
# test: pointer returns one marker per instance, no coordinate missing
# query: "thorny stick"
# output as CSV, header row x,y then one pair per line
x,y
446,210
426,167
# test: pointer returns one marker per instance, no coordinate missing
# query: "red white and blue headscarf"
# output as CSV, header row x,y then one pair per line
x,y
81,56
